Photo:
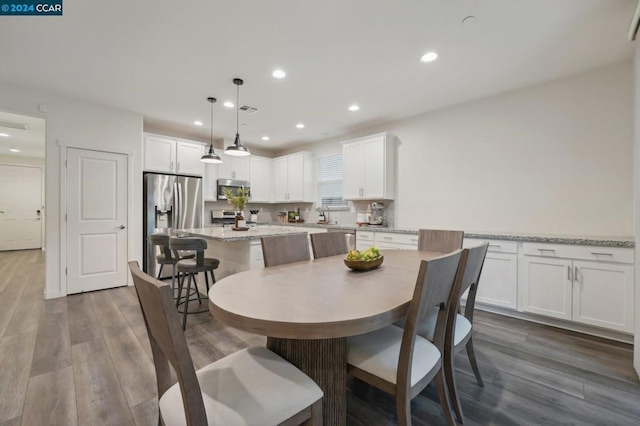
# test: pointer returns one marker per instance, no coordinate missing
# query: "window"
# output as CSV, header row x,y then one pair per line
x,y
330,182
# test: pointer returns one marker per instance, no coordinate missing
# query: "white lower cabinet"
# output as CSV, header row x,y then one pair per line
x,y
597,293
498,285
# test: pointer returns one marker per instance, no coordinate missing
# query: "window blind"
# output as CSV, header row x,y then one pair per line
x,y
330,181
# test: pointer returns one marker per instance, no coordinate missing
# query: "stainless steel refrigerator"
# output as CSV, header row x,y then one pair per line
x,y
170,202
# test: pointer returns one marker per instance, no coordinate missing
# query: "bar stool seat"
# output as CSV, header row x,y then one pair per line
x,y
188,269
191,265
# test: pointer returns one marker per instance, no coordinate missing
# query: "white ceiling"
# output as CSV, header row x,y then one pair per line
x,y
30,142
164,58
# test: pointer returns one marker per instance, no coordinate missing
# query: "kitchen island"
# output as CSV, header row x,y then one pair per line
x,y
238,251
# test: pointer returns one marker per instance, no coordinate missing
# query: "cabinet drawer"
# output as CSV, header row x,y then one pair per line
x,y
595,253
495,246
384,237
395,246
362,236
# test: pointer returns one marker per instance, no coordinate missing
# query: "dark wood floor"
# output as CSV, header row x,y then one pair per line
x,y
86,360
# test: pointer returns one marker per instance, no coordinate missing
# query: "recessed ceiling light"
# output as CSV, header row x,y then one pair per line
x,y
354,108
300,126
198,123
429,57
228,104
265,138
279,74
4,135
14,150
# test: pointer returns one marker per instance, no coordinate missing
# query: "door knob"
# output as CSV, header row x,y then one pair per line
x,y
121,227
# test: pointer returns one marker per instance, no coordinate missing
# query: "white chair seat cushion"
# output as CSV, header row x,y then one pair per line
x,y
378,353
428,326
253,386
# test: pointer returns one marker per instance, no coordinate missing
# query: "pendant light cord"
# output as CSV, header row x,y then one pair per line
x,y
211,143
237,109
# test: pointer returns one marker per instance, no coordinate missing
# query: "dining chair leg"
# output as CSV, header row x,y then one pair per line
x,y
180,285
472,359
173,279
449,375
403,409
316,412
160,271
186,302
444,397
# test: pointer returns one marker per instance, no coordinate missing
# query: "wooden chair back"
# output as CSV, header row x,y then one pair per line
x,y
199,245
328,244
168,343
470,278
439,240
436,281
283,249
162,240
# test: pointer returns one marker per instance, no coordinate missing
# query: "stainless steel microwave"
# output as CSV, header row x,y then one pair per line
x,y
233,185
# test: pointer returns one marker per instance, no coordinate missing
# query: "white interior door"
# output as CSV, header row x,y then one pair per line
x,y
96,220
21,202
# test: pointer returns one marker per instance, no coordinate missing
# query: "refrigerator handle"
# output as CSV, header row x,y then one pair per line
x,y
175,210
180,205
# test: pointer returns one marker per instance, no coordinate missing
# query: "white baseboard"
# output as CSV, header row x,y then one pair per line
x,y
567,325
52,295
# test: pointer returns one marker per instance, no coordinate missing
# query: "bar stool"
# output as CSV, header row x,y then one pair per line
x,y
189,269
166,257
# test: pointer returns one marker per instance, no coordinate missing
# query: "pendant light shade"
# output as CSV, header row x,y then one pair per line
x,y
237,149
211,156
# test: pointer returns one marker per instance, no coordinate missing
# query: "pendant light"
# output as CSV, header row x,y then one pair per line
x,y
237,149
211,156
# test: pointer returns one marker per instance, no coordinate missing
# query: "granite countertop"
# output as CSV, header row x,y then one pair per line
x,y
227,234
624,242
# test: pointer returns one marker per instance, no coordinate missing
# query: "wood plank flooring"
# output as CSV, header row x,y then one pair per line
x,y
85,360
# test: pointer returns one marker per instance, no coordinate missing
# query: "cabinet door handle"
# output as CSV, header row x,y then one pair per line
x,y
178,166
575,275
171,165
546,250
569,273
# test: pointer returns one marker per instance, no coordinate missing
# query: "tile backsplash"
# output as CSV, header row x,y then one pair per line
x,y
269,212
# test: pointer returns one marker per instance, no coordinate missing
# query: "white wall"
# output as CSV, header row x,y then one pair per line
x,y
85,125
636,181
554,158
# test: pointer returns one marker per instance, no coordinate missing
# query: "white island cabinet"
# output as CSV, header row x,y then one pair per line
x,y
369,168
588,285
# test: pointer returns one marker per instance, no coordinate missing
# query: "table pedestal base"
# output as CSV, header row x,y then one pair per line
x,y
325,361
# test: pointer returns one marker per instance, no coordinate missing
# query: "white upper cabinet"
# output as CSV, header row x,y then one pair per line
x,y
159,154
369,168
188,158
210,182
261,179
165,155
293,178
233,167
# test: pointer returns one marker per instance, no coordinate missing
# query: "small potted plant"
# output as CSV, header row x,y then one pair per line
x,y
239,201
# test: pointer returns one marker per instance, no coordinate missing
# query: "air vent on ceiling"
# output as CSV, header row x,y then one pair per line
x,y
14,125
248,109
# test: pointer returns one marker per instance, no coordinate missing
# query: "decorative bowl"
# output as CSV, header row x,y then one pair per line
x,y
364,265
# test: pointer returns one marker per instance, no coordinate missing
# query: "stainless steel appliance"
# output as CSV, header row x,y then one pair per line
x,y
233,185
377,214
228,217
170,202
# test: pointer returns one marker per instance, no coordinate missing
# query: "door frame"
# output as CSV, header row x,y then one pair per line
x,y
42,198
63,205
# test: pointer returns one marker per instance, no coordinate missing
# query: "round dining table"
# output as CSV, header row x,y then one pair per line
x,y
307,309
